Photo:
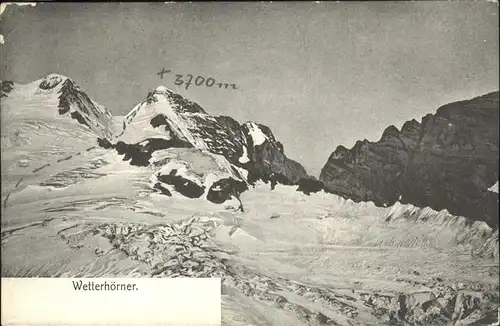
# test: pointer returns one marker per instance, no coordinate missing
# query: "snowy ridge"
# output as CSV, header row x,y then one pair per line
x,y
181,125
74,101
138,126
165,112
141,128
446,229
345,222
69,99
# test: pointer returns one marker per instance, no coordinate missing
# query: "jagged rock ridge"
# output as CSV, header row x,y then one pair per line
x,y
75,102
167,120
448,161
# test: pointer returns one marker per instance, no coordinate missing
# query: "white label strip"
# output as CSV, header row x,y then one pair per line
x,y
107,301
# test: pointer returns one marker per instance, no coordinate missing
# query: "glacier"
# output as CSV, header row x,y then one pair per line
x,y
72,208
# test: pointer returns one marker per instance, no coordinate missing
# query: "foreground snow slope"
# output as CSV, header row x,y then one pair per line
x,y
288,259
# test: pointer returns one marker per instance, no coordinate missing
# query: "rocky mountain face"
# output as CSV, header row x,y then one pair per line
x,y
447,161
5,88
244,153
79,106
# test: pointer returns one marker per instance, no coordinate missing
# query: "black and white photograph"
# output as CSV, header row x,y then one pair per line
x,y
332,162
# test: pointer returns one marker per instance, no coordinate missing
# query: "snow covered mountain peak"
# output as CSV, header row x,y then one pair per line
x,y
67,99
51,81
166,119
163,90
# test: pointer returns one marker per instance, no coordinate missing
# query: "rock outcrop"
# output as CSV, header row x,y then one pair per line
x,y
195,173
223,189
265,156
448,161
310,185
6,87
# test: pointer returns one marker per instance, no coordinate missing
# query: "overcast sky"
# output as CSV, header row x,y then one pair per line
x,y
319,75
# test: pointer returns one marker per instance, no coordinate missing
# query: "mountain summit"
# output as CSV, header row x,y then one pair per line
x,y
164,119
162,125
70,99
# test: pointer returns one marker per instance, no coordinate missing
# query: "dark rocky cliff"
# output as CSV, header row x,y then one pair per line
x,y
448,161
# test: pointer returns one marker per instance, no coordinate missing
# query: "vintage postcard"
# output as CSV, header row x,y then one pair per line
x,y
331,163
